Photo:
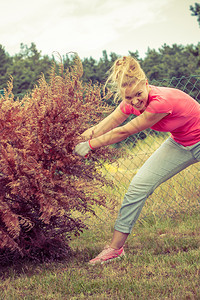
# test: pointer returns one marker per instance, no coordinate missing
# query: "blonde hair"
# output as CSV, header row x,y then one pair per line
x,y
124,72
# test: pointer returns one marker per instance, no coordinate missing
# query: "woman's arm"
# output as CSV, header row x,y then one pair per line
x,y
143,121
116,118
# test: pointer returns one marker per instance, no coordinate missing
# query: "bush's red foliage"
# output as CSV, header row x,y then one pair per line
x,y
42,182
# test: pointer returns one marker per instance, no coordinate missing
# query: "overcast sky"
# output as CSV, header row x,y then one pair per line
x,y
91,26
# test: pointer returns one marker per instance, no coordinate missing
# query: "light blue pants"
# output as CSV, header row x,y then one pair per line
x,y
169,159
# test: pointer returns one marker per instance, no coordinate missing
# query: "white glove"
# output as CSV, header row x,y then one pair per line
x,y
83,149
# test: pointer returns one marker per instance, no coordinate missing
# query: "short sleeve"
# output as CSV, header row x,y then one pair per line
x,y
159,105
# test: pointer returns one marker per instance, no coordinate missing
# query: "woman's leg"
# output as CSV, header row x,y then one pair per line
x,y
169,159
118,239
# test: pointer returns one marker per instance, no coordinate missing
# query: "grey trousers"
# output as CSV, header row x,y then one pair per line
x,y
169,159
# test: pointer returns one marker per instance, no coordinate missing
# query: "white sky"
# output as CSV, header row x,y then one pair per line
x,y
90,26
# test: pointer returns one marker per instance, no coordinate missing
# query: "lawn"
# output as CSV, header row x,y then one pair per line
x,y
162,262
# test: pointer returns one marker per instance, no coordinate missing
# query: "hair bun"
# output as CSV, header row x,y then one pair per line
x,y
125,71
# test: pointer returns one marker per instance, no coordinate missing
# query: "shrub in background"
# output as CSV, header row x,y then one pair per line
x,y
42,182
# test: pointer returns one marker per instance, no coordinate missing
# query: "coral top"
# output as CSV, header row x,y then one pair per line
x,y
183,119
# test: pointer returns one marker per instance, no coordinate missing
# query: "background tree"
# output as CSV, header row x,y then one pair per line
x,y
195,50
5,61
168,62
152,65
90,70
26,68
196,11
104,64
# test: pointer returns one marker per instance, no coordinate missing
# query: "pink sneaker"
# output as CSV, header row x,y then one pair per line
x,y
107,255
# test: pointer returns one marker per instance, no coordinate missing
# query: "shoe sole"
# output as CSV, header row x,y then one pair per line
x,y
108,260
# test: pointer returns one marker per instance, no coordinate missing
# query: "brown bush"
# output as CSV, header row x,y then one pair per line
x,y
42,182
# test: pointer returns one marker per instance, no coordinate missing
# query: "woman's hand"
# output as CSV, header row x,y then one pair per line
x,y
83,148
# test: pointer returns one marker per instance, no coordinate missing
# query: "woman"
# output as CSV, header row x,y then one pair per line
x,y
159,108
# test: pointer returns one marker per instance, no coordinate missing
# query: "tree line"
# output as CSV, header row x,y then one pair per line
x,y
27,66
168,61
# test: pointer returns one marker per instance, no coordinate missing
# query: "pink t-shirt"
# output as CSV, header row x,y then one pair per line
x,y
183,121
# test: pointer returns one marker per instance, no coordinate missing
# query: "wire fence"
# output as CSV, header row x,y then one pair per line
x,y
178,194
181,193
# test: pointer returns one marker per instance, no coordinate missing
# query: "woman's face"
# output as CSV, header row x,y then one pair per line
x,y
137,95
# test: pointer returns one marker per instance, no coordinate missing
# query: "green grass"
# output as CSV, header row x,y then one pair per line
x,y
162,262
